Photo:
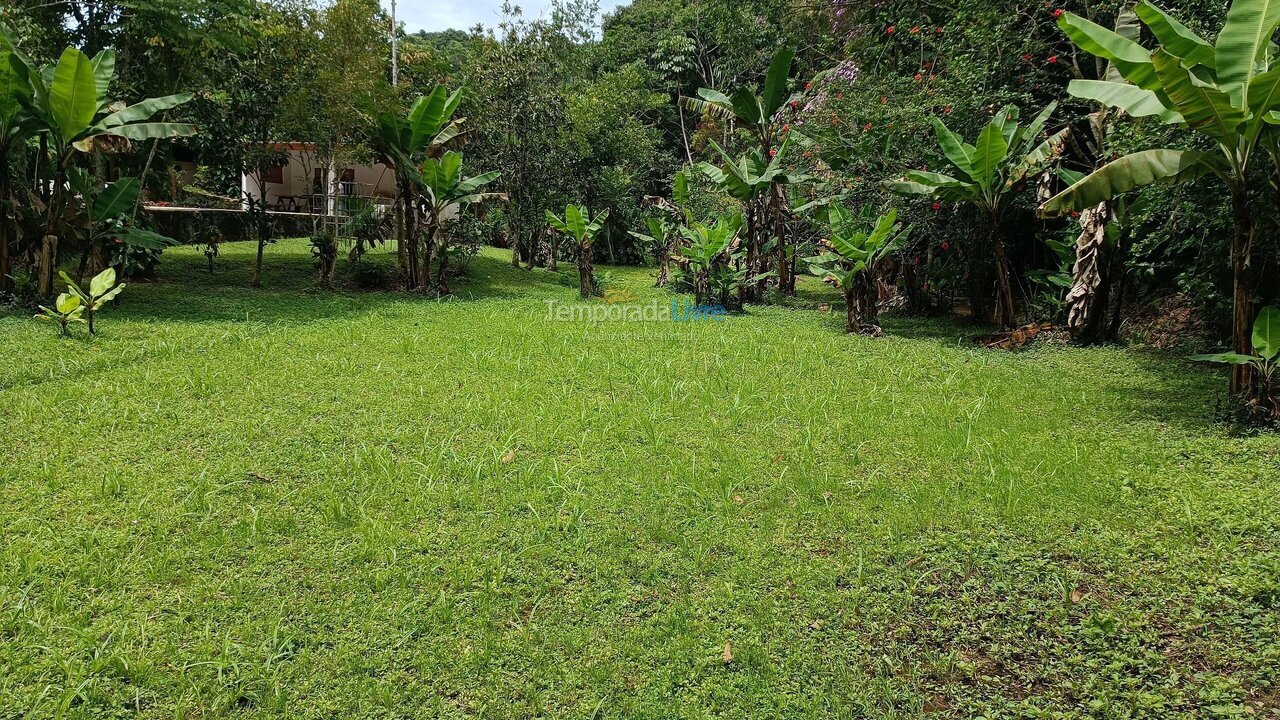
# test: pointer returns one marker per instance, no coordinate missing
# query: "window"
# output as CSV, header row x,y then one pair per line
x,y
273,174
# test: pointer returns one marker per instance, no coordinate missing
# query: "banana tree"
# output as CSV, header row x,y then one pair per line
x,y
1264,360
988,175
752,179
401,142
446,193
758,114
71,106
707,251
578,225
856,244
661,233
17,126
1227,91
105,213
1098,273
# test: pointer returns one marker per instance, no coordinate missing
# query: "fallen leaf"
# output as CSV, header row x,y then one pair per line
x,y
815,625
1077,595
826,495
738,499
509,456
824,307
727,655
260,477
936,703
914,561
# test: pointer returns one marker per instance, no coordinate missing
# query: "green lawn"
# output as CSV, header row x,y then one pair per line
x,y
298,503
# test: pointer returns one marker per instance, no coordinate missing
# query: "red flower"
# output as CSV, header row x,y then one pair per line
x,y
794,104
118,241
883,99
867,127
946,110
890,30
1028,57
1075,214
808,86
938,30
937,206
919,77
773,153
946,246
915,30
1053,59
1058,13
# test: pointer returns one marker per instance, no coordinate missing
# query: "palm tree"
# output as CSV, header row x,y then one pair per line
x,y
445,191
401,143
1228,91
989,175
70,105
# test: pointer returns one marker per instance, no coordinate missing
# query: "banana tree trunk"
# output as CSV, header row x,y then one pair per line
x,y
1004,288
49,248
1242,294
5,205
1091,278
586,287
664,262
410,234
780,236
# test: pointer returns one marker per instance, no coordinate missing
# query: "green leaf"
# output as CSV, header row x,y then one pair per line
x,y
152,131
1129,98
115,200
67,303
1229,358
144,239
953,147
102,282
1176,39
992,149
1203,107
1127,173
1266,333
1128,57
775,83
72,95
144,110
1243,39
104,71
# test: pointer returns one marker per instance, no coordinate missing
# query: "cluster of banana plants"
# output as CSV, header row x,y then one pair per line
x,y
1227,92
853,249
756,178
68,112
430,187
988,174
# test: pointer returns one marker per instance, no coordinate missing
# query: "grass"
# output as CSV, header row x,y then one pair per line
x,y
297,503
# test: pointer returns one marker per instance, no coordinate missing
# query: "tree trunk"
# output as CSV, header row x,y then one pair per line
x,y
5,205
780,233
586,287
664,263
49,248
402,254
1005,313
850,311
410,236
1242,294
1087,301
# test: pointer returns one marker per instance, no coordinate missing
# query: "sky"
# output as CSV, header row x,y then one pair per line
x,y
434,15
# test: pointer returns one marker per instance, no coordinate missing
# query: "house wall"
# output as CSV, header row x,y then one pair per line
x,y
297,179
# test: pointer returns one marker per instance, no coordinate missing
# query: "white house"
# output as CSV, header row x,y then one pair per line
x,y
303,186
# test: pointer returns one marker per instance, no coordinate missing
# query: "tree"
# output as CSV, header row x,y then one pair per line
x,y
71,106
658,240
856,244
1228,92
752,180
708,251
578,225
447,193
988,175
16,127
758,114
401,143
